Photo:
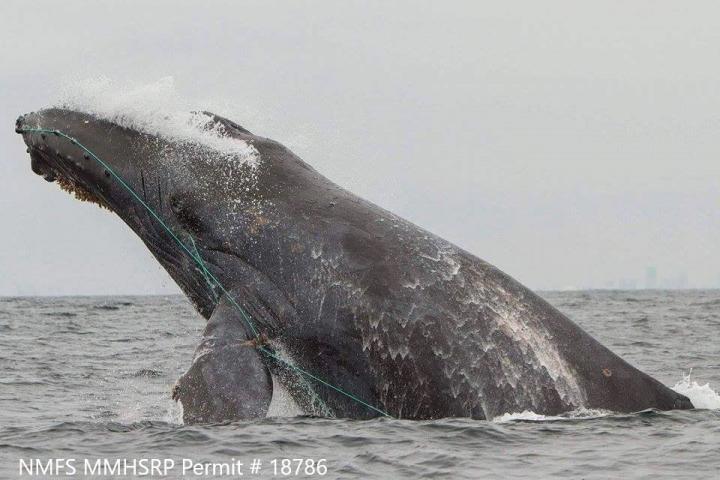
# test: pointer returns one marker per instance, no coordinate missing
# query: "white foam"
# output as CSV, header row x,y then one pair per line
x,y
526,415
155,108
701,396
530,416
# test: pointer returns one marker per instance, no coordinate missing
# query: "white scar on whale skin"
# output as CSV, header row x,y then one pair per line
x,y
514,320
511,317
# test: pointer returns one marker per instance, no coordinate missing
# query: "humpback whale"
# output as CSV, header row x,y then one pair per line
x,y
353,310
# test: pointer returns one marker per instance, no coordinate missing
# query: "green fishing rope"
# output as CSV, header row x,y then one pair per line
x,y
209,277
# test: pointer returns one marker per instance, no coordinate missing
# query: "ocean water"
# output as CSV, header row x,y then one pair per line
x,y
90,378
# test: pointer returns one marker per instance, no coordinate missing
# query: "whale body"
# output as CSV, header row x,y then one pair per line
x,y
379,309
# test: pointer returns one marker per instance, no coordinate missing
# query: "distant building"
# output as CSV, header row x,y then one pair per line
x,y
651,279
677,282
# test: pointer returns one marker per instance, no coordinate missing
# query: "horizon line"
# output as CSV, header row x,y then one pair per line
x,y
180,294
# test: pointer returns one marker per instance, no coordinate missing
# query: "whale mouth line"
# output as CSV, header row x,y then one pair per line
x,y
54,171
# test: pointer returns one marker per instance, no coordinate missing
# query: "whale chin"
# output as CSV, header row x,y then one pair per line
x,y
80,192
51,168
68,184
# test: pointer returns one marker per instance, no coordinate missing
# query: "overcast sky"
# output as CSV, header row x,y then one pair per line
x,y
571,144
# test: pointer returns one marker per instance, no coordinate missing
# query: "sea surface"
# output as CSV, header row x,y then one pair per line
x,y
90,378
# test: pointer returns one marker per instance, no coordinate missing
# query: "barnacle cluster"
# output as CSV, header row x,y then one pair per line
x,y
79,191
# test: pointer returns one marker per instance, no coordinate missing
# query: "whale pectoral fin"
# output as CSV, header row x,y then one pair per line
x,y
228,379
228,382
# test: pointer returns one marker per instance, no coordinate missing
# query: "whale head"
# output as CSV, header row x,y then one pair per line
x,y
167,190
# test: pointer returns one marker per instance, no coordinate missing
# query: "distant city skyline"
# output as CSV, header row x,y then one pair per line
x,y
654,280
651,279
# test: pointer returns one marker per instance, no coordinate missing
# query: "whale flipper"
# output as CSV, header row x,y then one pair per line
x,y
227,379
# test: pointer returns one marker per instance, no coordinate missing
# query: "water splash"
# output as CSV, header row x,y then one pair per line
x,y
155,108
530,416
702,396
526,415
173,413
282,403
